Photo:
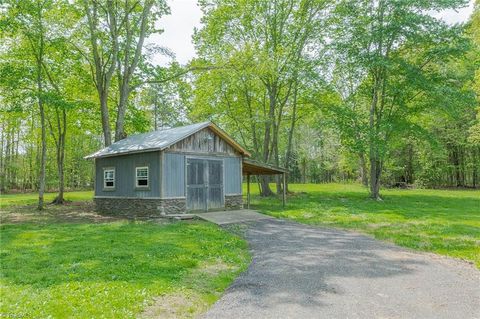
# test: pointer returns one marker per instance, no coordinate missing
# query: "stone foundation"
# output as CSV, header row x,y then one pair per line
x,y
140,207
174,205
233,202
148,207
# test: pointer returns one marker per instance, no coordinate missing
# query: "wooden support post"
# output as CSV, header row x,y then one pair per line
x,y
248,191
284,193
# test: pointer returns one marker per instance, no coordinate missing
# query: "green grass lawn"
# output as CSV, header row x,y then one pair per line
x,y
32,198
114,270
446,222
118,269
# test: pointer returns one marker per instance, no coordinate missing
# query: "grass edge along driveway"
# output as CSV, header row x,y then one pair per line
x,y
115,270
446,222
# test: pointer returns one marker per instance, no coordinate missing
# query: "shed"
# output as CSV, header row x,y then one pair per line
x,y
192,168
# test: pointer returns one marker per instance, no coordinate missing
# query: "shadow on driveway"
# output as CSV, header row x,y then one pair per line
x,y
300,271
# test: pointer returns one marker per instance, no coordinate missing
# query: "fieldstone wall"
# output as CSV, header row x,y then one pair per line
x,y
140,207
233,202
174,205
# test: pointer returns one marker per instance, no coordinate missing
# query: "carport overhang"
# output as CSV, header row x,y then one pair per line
x,y
251,167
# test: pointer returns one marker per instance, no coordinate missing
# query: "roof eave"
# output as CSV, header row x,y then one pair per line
x,y
210,125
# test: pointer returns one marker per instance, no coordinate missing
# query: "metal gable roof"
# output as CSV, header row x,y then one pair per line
x,y
160,140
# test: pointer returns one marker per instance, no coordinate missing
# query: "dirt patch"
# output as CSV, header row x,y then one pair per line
x,y
214,268
176,305
186,304
71,212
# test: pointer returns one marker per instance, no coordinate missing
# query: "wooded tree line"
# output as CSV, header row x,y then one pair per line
x,y
376,91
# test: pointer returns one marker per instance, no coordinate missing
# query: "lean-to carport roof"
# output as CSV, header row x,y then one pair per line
x,y
251,167
162,139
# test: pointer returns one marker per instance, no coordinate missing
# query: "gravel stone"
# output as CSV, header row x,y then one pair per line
x,y
299,271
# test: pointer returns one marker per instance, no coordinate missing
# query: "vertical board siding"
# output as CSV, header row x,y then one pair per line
x,y
233,176
173,175
125,175
204,141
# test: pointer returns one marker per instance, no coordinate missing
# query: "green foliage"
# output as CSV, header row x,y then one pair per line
x,y
446,222
394,55
292,81
111,270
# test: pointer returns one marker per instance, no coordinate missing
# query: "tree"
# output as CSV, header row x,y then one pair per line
x,y
262,49
117,50
27,24
395,46
103,55
473,31
138,24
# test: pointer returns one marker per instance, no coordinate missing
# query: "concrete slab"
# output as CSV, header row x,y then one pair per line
x,y
232,216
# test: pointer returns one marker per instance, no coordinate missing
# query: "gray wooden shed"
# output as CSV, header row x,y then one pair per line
x,y
196,167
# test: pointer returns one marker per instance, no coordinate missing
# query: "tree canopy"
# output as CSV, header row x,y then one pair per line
x,y
382,92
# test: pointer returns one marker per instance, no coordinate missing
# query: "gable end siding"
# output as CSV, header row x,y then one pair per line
x,y
204,142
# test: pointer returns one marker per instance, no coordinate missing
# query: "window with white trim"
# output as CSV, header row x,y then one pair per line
x,y
141,174
109,178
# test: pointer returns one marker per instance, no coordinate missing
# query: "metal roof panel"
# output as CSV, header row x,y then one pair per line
x,y
159,140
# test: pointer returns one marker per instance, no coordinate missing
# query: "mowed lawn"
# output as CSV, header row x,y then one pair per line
x,y
117,269
120,269
446,222
8,200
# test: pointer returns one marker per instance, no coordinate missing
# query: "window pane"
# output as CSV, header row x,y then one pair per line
x,y
142,172
109,178
142,176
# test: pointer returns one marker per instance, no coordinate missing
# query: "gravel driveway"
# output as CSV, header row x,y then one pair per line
x,y
300,271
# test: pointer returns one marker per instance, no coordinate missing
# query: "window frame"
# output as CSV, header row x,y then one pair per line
x,y
105,186
143,187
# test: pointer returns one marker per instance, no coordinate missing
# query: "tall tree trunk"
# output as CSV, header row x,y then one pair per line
x,y
130,65
288,156
103,72
264,186
375,174
155,112
363,169
276,156
107,134
43,158
264,180
62,132
375,167
61,128
122,108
